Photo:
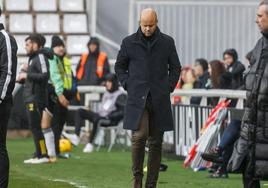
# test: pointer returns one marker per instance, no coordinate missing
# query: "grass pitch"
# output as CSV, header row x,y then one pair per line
x,y
99,170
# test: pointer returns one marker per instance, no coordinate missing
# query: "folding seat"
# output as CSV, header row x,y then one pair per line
x,y
76,44
75,23
47,23
21,23
45,5
17,5
71,5
21,43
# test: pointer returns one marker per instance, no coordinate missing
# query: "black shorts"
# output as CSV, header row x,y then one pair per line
x,y
52,100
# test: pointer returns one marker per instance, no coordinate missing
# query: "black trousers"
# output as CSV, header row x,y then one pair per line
x,y
58,121
34,112
5,108
250,183
93,117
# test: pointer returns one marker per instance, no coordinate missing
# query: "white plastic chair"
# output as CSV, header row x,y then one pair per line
x,y
76,44
21,44
47,23
45,5
116,132
21,23
71,5
75,23
17,5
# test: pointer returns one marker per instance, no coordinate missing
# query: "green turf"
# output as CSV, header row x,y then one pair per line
x,y
99,170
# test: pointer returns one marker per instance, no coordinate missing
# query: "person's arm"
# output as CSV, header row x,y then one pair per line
x,y
174,67
78,66
42,65
106,71
57,82
120,105
121,65
5,72
239,70
106,68
56,77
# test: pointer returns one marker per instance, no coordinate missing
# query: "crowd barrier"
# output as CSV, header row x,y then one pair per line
x,y
188,119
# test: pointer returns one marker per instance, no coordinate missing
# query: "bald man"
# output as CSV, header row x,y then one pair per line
x,y
148,68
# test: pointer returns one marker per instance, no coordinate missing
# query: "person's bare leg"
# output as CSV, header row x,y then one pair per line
x,y
48,133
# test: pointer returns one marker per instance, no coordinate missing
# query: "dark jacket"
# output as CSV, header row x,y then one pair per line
x,y
236,69
251,148
90,76
200,84
148,65
35,86
117,115
8,64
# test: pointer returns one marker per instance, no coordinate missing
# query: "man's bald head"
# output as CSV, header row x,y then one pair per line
x,y
148,21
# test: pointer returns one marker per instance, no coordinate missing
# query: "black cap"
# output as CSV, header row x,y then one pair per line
x,y
56,41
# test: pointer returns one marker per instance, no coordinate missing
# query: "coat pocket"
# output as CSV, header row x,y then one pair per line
x,y
238,157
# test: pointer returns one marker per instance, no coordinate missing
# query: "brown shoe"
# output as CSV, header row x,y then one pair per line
x,y
137,182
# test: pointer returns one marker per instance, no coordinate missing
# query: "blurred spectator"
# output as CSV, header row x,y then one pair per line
x,y
219,79
222,153
63,87
93,66
189,81
177,99
201,72
110,113
235,67
35,77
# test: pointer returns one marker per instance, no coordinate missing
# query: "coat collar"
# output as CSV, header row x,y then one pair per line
x,y
140,39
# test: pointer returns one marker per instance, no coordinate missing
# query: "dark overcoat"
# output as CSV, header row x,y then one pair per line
x,y
144,66
251,151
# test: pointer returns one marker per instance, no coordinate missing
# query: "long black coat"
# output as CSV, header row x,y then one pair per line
x,y
143,68
254,117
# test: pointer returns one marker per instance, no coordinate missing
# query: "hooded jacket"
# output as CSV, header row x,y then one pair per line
x,y
236,69
251,147
89,69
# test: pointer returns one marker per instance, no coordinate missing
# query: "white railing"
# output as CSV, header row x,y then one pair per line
x,y
188,119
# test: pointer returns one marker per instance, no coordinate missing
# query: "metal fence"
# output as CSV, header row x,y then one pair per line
x,y
188,119
203,28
